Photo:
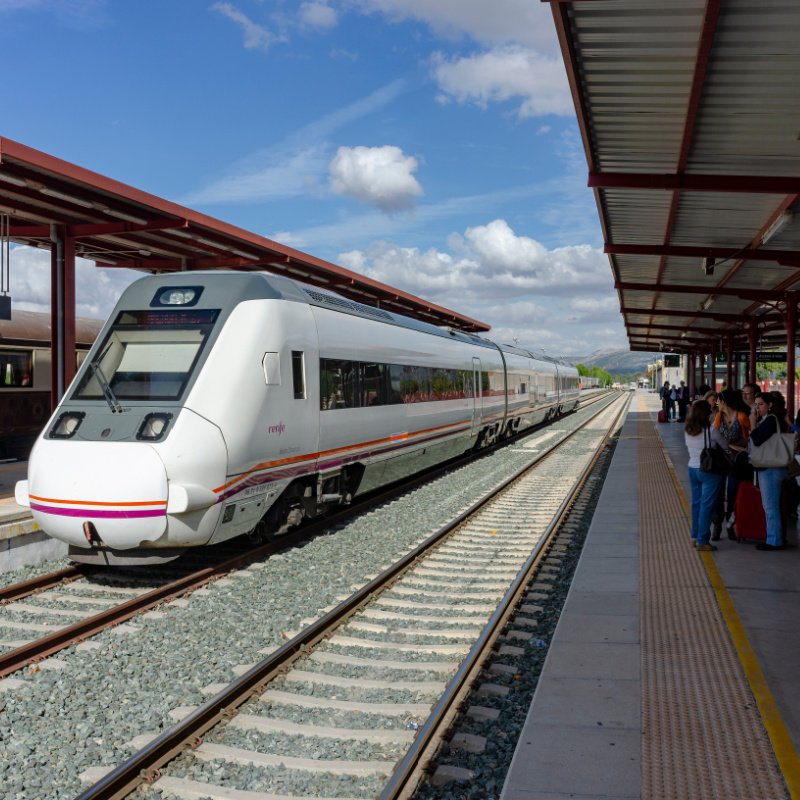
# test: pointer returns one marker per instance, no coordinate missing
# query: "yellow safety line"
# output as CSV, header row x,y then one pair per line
x,y
782,744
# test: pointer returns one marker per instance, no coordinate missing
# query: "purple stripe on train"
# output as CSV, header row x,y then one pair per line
x,y
94,513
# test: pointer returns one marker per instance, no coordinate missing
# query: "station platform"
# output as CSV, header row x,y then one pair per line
x,y
22,543
672,674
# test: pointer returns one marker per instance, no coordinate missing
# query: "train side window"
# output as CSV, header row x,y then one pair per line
x,y
16,369
338,383
272,369
298,375
373,384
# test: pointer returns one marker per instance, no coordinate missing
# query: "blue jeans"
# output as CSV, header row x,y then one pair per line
x,y
705,489
769,481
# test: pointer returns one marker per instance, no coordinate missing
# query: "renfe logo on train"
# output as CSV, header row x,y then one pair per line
x,y
279,428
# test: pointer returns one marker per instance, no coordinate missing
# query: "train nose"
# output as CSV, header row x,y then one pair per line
x,y
117,492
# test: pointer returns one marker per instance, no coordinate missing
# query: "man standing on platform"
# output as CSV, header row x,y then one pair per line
x,y
749,393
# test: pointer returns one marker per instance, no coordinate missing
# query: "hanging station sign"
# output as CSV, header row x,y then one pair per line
x,y
762,357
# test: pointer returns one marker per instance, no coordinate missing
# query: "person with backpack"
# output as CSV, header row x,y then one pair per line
x,y
673,399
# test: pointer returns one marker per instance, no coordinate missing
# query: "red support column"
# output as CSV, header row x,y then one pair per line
x,y
702,357
714,368
69,311
791,328
692,384
62,313
730,362
56,264
753,338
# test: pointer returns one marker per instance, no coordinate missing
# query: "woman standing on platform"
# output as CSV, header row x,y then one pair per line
x,y
706,486
768,418
733,422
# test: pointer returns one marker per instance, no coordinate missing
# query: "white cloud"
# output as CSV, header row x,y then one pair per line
x,y
503,74
97,289
256,37
500,21
560,299
378,176
318,14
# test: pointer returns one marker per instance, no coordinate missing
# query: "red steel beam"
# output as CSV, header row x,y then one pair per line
x,y
116,228
685,288
719,316
753,184
783,257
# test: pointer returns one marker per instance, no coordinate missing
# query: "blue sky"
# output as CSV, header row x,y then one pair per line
x,y
431,144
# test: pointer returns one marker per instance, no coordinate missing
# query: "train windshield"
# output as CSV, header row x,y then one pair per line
x,y
147,355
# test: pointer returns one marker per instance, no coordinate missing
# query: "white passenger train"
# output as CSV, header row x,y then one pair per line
x,y
214,404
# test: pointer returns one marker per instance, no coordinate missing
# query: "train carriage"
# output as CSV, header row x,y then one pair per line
x,y
215,404
25,376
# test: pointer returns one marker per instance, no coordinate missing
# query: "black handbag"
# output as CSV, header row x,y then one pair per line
x,y
713,457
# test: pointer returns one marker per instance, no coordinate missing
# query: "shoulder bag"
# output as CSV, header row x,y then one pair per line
x,y
777,451
713,457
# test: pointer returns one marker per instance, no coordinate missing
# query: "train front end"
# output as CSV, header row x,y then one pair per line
x,y
125,470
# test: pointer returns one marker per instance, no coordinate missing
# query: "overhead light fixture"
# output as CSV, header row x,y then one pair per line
x,y
708,303
69,198
778,224
708,265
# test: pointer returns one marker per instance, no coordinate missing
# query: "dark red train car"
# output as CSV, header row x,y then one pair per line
x,y
25,376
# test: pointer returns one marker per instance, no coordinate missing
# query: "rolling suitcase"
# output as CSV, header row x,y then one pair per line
x,y
751,522
662,416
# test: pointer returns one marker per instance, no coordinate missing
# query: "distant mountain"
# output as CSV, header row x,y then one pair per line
x,y
617,362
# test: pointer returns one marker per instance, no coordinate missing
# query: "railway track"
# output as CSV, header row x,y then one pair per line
x,y
70,605
355,704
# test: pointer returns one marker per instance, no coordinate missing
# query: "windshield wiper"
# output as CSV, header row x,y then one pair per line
x,y
108,392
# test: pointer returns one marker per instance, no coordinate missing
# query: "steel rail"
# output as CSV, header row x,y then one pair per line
x,y
428,739
145,765
16,591
64,637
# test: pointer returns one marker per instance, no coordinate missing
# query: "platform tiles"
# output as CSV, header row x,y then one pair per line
x,y
642,694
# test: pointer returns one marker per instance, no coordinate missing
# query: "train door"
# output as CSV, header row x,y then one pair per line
x,y
477,396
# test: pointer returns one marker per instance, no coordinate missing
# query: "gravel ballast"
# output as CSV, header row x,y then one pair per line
x,y
62,722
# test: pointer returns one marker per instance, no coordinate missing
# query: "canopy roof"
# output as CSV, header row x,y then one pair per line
x,y
689,112
119,226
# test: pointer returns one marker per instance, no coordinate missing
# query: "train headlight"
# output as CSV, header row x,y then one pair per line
x,y
153,427
67,424
177,296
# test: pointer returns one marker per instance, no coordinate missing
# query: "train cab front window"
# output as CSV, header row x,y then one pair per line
x,y
147,355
